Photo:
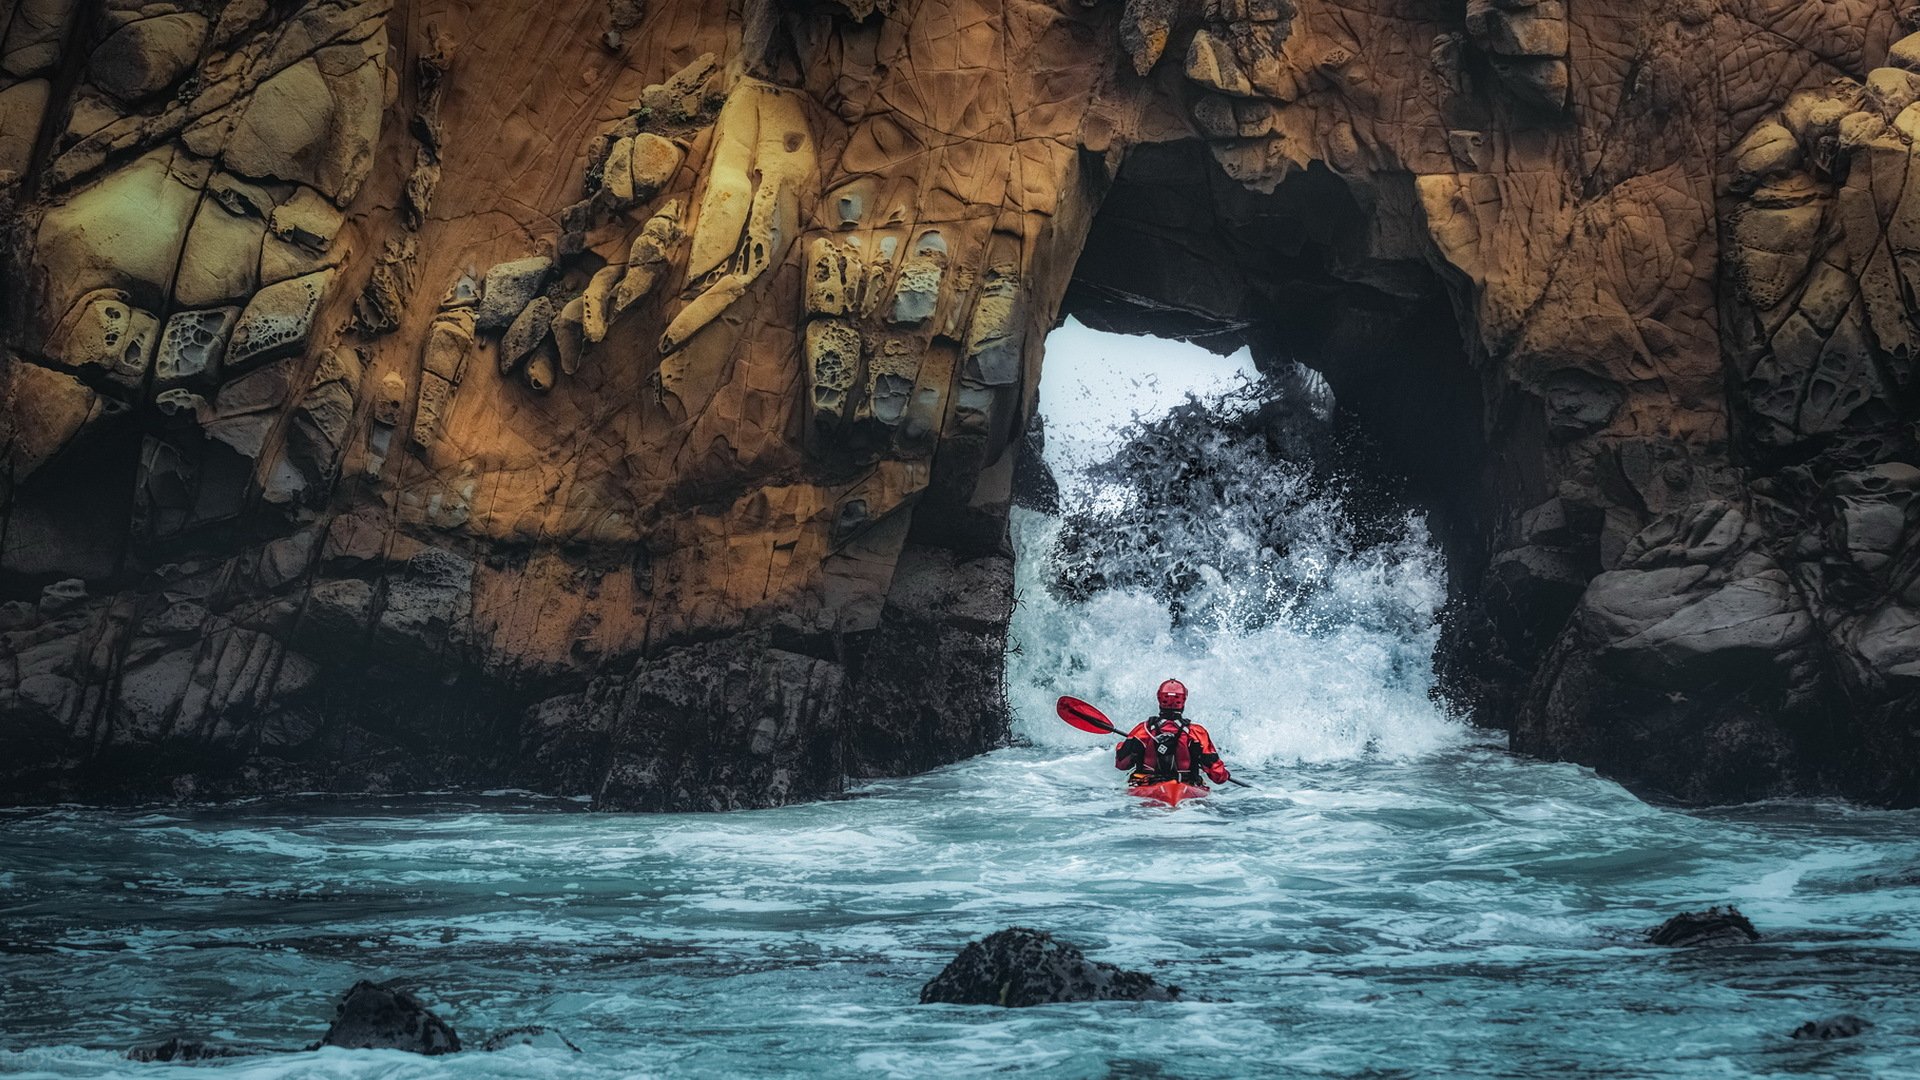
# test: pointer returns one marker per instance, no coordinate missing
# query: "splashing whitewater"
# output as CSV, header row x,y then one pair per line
x,y
1302,634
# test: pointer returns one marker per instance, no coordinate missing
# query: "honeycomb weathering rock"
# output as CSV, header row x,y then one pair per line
x,y
408,415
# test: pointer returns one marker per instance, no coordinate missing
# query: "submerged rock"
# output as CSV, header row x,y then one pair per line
x,y
1017,967
1712,927
540,1038
1842,1026
377,1016
177,1049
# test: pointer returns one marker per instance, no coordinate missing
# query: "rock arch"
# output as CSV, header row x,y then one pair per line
x,y
628,403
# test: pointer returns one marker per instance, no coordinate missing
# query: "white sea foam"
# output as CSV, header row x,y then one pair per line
x,y
1296,641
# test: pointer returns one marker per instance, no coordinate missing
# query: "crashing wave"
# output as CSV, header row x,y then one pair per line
x,y
1222,546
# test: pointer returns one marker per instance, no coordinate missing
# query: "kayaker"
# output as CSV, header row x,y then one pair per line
x,y
1168,747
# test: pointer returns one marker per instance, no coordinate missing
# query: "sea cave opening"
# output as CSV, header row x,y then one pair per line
x,y
1267,467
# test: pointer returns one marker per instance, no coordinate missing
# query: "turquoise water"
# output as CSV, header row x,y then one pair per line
x,y
1465,913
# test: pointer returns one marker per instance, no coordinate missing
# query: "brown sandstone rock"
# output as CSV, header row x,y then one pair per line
x,y
1624,293
22,107
148,55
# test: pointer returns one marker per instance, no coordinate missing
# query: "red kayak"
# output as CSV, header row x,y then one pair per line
x,y
1171,792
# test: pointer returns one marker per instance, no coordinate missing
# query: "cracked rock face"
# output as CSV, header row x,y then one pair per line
x,y
379,411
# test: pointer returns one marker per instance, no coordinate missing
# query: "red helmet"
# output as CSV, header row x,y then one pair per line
x,y
1172,694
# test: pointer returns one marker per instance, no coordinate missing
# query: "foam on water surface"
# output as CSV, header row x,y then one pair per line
x,y
1297,642
1459,912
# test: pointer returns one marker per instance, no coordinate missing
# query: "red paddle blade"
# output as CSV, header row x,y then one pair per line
x,y
1084,716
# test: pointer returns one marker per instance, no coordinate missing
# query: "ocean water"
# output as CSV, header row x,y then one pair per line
x,y
1457,912
1395,897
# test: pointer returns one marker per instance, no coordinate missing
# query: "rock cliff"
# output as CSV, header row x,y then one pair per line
x,y
623,397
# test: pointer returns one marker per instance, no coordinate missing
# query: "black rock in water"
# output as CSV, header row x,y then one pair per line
x,y
381,1016
1712,927
1843,1026
544,1038
1017,967
177,1049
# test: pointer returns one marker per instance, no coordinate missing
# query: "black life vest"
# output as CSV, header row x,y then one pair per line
x,y
1169,753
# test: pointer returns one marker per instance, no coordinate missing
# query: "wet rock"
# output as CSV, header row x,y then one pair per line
x,y
381,1016
1017,967
1686,665
1841,1026
177,1049
1711,928
540,1038
764,712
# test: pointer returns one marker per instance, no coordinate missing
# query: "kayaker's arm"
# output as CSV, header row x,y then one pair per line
x,y
1129,754
1208,758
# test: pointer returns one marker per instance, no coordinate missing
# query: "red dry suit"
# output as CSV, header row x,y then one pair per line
x,y
1168,748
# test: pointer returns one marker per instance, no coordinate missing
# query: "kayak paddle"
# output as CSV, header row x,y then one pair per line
x,y
1084,716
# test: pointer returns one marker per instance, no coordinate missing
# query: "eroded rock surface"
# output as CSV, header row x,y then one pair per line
x,y
409,415
1018,967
